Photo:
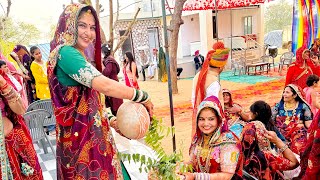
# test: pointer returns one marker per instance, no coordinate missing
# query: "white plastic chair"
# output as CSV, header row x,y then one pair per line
x,y
238,65
45,104
34,120
285,60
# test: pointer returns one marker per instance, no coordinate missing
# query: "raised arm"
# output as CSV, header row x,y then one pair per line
x,y
286,152
76,67
12,96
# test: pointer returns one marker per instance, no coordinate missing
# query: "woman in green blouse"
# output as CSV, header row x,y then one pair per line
x,y
85,145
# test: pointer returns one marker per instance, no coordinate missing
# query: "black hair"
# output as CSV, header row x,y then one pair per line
x,y
32,50
131,59
297,98
312,79
85,9
105,49
2,62
263,113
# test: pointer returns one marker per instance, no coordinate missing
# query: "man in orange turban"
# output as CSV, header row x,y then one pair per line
x,y
206,82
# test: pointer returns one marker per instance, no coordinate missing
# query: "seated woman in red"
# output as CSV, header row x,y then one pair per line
x,y
260,160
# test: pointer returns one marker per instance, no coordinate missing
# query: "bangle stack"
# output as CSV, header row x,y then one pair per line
x,y
4,87
11,96
140,96
281,150
111,117
202,176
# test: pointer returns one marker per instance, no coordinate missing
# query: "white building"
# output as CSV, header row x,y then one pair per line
x,y
197,33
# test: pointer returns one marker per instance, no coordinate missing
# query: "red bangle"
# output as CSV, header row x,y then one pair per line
x,y
4,87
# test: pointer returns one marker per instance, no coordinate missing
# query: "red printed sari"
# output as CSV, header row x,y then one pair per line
x,y
20,152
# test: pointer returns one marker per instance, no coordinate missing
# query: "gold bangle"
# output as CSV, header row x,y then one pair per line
x,y
5,94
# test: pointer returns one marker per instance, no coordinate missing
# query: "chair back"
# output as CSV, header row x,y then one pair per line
x,y
287,56
34,120
45,104
234,64
242,61
265,59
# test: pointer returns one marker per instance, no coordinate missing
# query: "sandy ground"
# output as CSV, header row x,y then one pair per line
x,y
182,119
160,94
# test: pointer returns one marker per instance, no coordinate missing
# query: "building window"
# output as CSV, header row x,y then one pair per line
x,y
247,25
153,37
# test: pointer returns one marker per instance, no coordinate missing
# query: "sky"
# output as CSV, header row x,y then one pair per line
x,y
44,13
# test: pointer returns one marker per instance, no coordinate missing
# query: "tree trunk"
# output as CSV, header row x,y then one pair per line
x,y
110,42
8,8
126,33
175,24
102,35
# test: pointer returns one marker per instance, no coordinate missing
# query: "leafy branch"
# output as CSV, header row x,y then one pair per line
x,y
164,165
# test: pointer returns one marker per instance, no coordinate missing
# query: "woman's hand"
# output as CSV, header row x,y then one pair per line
x,y
114,125
149,106
235,109
272,136
2,81
189,176
26,77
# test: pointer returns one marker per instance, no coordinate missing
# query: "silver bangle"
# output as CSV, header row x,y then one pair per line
x,y
281,150
202,176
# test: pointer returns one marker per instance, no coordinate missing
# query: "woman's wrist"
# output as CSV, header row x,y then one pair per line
x,y
4,87
279,143
140,96
283,148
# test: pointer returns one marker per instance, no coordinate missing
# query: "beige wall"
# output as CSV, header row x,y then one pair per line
x,y
200,29
238,15
190,27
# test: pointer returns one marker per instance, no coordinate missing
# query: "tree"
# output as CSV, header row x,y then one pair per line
x,y
19,33
113,22
8,7
126,33
278,16
175,24
53,28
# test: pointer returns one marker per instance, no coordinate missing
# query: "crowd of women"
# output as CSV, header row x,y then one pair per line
x,y
20,87
228,143
281,142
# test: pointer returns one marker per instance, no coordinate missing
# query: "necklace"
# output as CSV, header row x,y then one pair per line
x,y
293,107
205,168
203,146
289,106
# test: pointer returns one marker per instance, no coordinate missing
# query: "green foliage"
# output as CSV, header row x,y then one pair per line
x,y
278,16
164,166
18,32
53,28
